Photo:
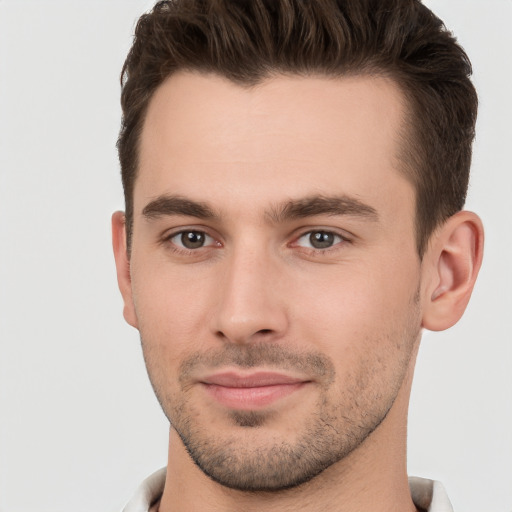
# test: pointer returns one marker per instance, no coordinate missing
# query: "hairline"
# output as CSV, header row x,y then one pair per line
x,y
408,162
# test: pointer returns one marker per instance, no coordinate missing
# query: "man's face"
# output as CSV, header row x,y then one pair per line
x,y
275,279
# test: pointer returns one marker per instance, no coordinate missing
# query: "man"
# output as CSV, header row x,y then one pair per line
x,y
294,176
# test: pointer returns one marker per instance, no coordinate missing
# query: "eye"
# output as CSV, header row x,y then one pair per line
x,y
319,239
191,239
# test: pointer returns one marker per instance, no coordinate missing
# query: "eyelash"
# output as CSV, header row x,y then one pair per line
x,y
184,250
341,240
338,239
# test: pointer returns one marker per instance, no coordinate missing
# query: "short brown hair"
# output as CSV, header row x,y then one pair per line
x,y
247,41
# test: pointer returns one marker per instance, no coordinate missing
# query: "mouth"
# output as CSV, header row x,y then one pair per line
x,y
251,391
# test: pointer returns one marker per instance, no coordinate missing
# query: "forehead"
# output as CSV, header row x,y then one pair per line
x,y
205,136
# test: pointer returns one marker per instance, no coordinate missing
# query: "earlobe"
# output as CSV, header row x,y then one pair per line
x,y
123,266
455,257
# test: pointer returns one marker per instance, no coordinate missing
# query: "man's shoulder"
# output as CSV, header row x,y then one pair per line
x,y
428,495
148,493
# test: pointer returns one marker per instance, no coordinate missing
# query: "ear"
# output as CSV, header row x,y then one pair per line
x,y
123,267
454,256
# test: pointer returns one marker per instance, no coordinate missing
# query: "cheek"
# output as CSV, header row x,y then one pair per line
x,y
359,309
171,308
368,328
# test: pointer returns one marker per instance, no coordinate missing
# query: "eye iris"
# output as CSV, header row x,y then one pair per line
x,y
321,239
192,239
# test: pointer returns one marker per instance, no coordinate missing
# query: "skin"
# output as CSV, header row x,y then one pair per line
x,y
237,166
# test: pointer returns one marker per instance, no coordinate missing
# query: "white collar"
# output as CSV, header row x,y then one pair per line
x,y
426,494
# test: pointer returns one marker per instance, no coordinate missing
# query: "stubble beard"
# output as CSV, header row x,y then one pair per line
x,y
277,463
253,456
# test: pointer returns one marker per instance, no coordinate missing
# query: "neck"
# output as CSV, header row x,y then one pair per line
x,y
372,478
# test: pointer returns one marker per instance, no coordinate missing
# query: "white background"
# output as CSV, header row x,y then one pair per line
x,y
79,426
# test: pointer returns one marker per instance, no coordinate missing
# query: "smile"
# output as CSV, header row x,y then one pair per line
x,y
253,391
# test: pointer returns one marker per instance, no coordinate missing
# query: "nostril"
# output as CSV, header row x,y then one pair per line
x,y
261,332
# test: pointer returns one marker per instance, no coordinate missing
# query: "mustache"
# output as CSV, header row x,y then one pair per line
x,y
268,355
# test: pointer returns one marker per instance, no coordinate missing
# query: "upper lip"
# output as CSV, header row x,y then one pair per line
x,y
251,380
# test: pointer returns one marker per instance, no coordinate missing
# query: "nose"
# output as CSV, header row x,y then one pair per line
x,y
250,305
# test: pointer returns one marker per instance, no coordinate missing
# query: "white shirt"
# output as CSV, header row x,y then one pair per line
x,y
426,494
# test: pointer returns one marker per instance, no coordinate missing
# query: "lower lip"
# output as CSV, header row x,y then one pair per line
x,y
251,398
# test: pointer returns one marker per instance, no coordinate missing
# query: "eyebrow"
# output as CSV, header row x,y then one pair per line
x,y
176,205
290,210
322,205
